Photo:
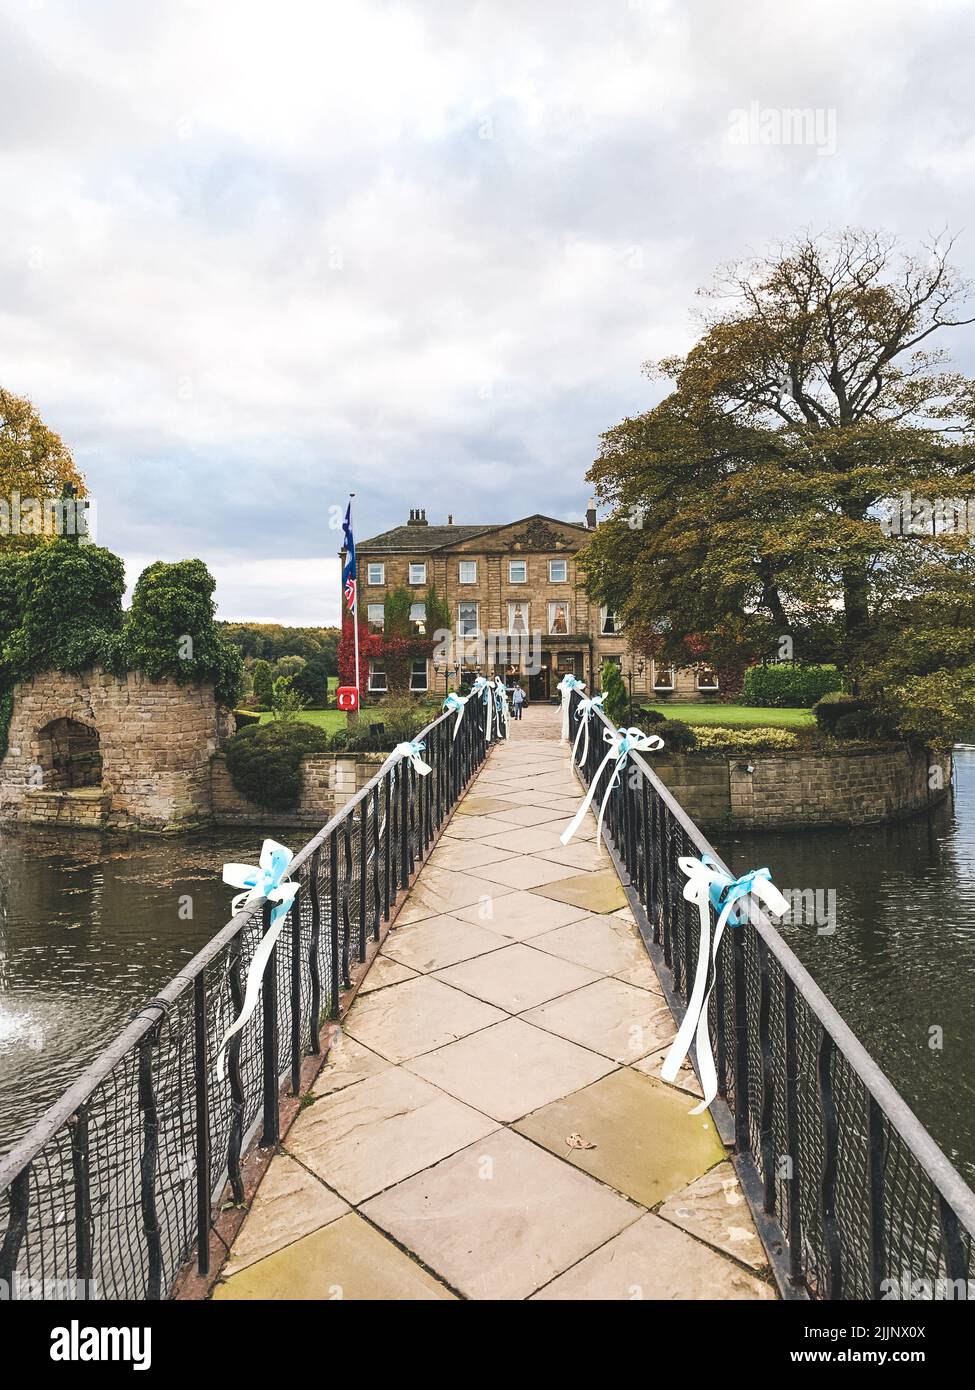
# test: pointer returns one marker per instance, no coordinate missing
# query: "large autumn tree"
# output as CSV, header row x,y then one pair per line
x,y
34,462
749,505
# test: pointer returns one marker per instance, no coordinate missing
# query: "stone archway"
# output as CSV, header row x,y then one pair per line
x,y
69,755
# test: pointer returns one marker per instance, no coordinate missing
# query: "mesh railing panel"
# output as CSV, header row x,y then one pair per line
x,y
867,1205
112,1189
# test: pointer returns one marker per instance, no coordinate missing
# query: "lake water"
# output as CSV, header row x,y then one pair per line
x,y
901,965
90,927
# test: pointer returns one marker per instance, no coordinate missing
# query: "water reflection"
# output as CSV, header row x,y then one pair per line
x,y
901,965
90,927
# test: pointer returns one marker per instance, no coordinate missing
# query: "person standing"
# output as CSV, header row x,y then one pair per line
x,y
517,700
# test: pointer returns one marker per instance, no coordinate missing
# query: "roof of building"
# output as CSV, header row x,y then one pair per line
x,y
419,536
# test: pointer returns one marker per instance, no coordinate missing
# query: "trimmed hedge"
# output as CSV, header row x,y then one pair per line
x,y
832,708
264,760
712,738
789,686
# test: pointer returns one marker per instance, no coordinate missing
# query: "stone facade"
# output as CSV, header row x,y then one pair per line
x,y
328,781
498,580
102,751
785,791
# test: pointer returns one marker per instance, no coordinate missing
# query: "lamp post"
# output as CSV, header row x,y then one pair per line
x,y
640,667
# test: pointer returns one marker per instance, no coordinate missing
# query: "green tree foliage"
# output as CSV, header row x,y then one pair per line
x,y
286,703
271,641
263,683
170,629
288,666
748,505
34,462
617,699
311,682
264,760
61,606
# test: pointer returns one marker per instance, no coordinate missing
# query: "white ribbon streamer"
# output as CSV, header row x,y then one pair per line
x,y
264,881
453,702
566,685
708,884
583,714
410,752
483,690
501,706
622,742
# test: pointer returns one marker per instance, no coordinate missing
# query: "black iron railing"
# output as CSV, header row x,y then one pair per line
x,y
854,1198
115,1185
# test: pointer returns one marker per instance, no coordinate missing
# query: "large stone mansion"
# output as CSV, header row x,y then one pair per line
x,y
518,605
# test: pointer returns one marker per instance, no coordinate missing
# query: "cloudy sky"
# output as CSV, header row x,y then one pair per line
x,y
257,254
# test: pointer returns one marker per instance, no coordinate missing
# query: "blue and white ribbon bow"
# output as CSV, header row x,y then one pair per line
x,y
263,881
410,752
707,884
501,705
567,684
454,702
622,742
584,713
482,689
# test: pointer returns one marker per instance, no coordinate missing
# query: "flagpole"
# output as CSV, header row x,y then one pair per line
x,y
355,615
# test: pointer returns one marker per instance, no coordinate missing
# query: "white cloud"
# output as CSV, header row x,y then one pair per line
x,y
255,255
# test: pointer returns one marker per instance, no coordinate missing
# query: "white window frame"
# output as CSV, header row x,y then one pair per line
x,y
422,665
379,622
714,686
511,565
604,615
551,618
373,673
460,572
372,568
519,603
420,622
565,571
420,565
468,603
660,685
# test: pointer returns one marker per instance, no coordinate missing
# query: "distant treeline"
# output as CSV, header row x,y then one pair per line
x,y
272,641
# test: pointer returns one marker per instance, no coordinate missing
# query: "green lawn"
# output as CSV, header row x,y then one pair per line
x,y
328,719
738,716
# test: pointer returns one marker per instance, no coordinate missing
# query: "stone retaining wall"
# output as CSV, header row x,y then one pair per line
x,y
328,781
791,790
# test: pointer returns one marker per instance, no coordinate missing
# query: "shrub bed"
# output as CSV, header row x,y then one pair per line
x,y
788,685
264,760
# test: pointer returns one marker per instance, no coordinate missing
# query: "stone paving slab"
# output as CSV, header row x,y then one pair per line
x,y
511,1068
485,1035
415,1017
516,978
714,1209
644,1142
596,892
439,941
374,1134
494,1219
519,914
619,1020
345,1261
290,1203
653,1260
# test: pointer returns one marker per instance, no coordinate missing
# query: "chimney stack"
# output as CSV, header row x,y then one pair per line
x,y
591,514
450,518
418,517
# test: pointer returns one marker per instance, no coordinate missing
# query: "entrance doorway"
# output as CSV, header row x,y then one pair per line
x,y
69,756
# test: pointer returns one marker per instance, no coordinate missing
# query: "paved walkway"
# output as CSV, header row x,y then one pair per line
x,y
490,1123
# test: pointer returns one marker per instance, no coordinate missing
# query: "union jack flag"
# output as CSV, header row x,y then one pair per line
x,y
348,569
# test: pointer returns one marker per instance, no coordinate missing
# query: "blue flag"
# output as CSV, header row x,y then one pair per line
x,y
348,569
